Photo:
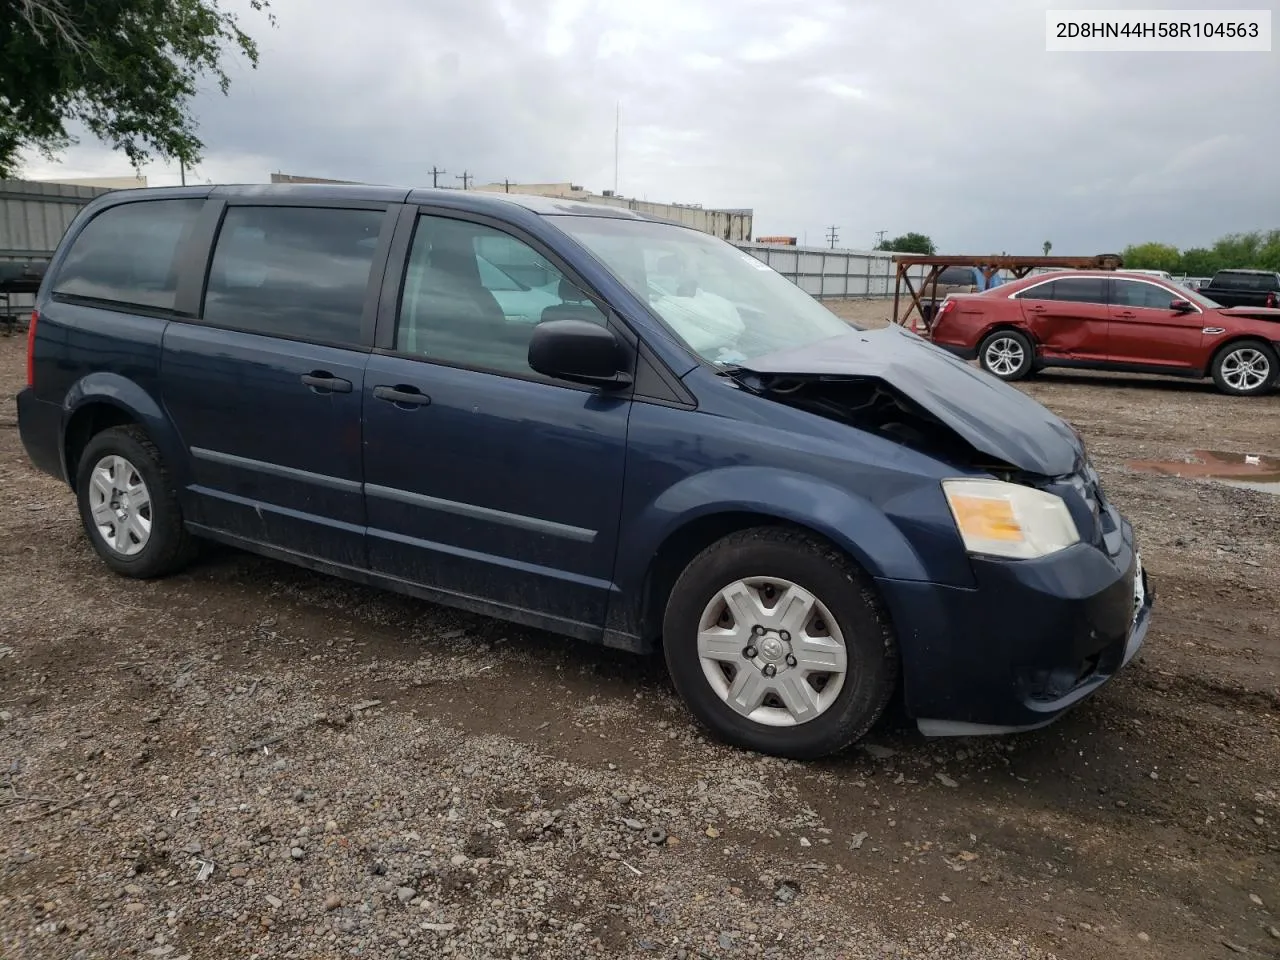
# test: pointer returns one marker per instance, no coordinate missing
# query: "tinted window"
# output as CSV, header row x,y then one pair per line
x,y
1043,291
295,272
1080,289
1131,293
128,253
956,275
1246,281
472,296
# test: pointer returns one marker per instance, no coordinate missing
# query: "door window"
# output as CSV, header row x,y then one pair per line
x,y
300,273
473,294
1132,293
127,254
1080,290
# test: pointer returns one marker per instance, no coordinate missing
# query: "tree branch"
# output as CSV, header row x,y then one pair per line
x,y
52,15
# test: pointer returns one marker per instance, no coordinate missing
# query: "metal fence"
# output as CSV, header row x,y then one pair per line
x,y
831,274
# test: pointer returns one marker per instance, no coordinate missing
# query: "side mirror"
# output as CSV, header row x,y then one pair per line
x,y
578,351
1181,306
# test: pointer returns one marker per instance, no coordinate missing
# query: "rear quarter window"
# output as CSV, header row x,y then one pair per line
x,y
952,276
128,254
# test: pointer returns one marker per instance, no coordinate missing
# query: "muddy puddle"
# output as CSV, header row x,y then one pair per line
x,y
1251,471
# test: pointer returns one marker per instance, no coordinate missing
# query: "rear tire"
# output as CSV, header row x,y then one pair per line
x,y
129,507
1246,368
1007,354
826,638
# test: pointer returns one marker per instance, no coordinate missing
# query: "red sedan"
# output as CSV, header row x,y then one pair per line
x,y
1112,321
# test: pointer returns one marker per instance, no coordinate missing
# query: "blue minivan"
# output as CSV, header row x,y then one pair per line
x,y
647,438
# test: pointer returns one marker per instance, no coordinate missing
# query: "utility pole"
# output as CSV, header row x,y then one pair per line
x,y
435,176
880,238
832,236
506,186
182,171
466,178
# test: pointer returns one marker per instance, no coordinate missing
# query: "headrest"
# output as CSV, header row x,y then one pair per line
x,y
570,293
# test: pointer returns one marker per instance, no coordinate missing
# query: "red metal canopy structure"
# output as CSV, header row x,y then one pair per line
x,y
935,264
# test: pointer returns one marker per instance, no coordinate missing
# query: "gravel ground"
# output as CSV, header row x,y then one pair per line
x,y
252,761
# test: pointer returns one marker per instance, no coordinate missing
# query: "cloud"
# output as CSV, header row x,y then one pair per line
x,y
931,115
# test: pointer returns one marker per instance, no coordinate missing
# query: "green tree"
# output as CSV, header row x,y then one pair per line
x,y
1198,262
1269,254
1153,256
1239,249
909,243
125,69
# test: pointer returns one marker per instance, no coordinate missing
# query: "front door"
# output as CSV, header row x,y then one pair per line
x,y
1147,331
1068,317
484,479
265,389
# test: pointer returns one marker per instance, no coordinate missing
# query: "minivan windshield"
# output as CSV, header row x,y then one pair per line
x,y
723,303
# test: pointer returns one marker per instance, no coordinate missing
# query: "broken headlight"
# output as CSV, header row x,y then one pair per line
x,y
1009,520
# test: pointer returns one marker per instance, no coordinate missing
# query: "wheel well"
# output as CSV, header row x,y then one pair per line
x,y
1003,326
683,545
86,423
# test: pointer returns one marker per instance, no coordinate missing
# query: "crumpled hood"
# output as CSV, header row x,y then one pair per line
x,y
993,417
1256,313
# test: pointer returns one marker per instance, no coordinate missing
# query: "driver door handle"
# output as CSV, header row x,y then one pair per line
x,y
402,395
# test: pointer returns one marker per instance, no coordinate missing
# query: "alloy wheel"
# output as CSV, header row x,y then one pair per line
x,y
1004,356
1246,369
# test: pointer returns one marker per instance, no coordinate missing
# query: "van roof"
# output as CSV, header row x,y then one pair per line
x,y
471,200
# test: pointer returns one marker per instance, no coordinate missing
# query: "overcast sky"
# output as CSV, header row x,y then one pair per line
x,y
941,116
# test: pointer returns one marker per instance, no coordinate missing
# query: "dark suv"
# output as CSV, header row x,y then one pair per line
x,y
579,419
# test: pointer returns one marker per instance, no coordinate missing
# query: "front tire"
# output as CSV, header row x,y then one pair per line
x,y
1245,369
777,643
129,507
1007,354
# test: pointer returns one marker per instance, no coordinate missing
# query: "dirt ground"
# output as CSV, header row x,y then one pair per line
x,y
249,760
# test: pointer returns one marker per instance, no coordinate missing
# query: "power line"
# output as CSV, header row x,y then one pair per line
x,y
435,176
466,179
832,236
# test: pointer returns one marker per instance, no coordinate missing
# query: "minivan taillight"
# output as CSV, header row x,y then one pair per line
x,y
1271,299
31,349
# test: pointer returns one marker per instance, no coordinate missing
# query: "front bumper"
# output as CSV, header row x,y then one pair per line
x,y
1032,640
